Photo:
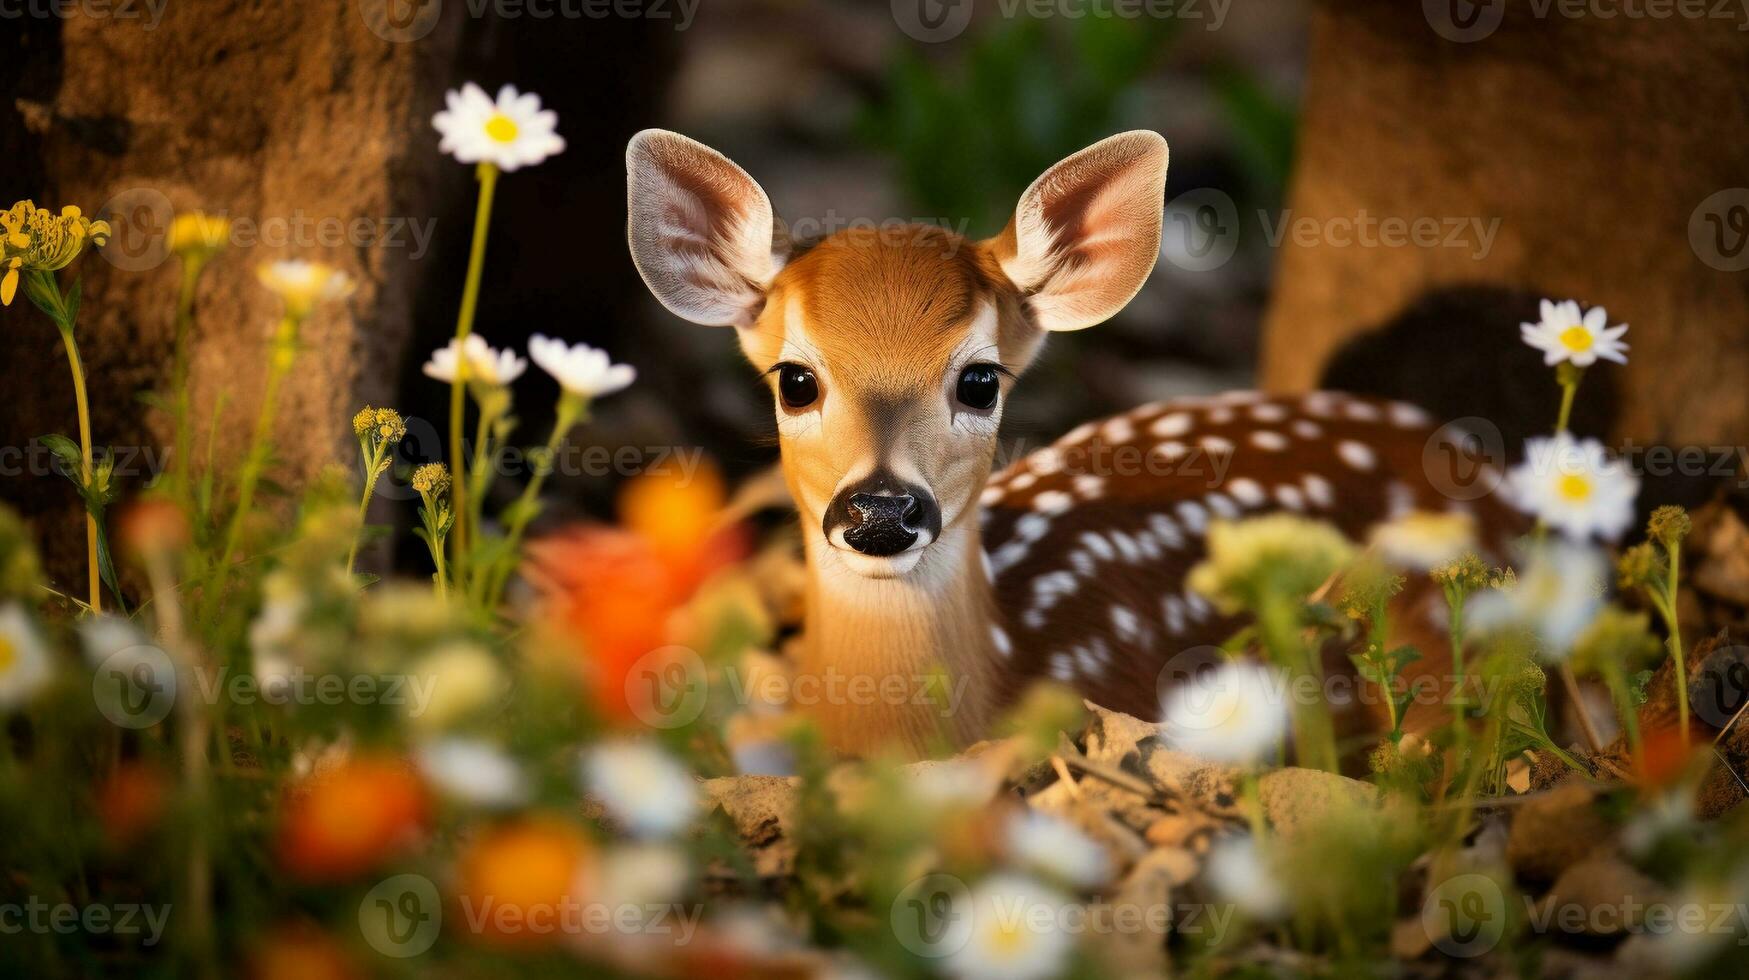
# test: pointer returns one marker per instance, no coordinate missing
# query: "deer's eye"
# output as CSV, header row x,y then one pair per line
x,y
797,386
979,386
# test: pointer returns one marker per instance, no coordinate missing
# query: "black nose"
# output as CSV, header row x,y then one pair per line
x,y
881,516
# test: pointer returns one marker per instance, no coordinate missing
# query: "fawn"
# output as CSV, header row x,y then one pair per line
x,y
890,357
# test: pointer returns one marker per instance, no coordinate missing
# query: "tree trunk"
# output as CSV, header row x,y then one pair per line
x,y
1607,152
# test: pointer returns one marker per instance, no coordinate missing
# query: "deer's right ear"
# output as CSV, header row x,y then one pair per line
x,y
701,230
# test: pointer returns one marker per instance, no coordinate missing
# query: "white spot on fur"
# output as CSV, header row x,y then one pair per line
x,y
1220,415
1052,502
999,639
1222,505
1361,411
1172,451
1406,416
1165,530
1008,556
1080,433
1247,491
1357,455
1193,515
1172,613
1216,445
1319,490
1022,480
1097,544
1062,667
1126,622
991,495
1167,426
1031,527
1306,429
1269,440
1045,462
1268,412
1117,430
1089,486
1289,496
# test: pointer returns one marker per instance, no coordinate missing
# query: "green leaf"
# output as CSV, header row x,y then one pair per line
x,y
106,568
71,304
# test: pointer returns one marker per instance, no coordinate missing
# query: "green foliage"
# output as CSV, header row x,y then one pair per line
x,y
969,134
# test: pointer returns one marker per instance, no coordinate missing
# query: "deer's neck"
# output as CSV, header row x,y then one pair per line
x,y
902,662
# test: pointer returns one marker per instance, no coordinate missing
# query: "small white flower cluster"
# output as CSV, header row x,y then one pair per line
x,y
580,369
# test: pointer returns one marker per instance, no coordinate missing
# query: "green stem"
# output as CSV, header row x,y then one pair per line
x,y
488,177
372,469
1624,704
572,410
284,352
1569,390
1461,697
1314,733
1678,661
183,447
83,406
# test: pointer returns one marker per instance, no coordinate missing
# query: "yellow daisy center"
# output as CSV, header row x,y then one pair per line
x,y
1009,938
1573,488
501,128
1576,338
8,655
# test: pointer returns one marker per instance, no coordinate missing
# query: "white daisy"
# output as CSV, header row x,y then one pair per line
x,y
1574,487
106,635
641,787
473,771
1236,870
1556,594
511,132
485,362
453,682
580,369
300,285
1564,335
1056,848
1235,713
1421,539
1017,931
24,661
641,875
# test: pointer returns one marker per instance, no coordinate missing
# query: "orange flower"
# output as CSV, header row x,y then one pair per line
x,y
131,801
1665,757
153,525
518,882
301,952
347,819
614,590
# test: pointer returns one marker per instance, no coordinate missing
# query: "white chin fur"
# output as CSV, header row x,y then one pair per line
x,y
892,566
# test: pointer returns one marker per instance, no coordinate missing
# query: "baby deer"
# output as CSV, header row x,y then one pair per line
x,y
890,356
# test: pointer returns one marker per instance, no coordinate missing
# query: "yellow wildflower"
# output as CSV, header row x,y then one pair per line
x,y
1278,553
1669,525
364,421
198,236
432,479
301,284
35,239
389,425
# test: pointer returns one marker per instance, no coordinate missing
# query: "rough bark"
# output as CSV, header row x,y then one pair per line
x,y
304,126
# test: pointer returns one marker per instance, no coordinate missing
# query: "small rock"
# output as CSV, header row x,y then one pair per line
x,y
1598,896
761,808
1294,798
1553,832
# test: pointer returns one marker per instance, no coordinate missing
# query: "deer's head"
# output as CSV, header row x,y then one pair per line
x,y
890,350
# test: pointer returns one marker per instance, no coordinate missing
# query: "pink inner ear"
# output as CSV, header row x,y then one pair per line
x,y
701,230
1087,233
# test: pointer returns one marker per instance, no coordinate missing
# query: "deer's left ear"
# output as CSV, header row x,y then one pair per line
x,y
1087,232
